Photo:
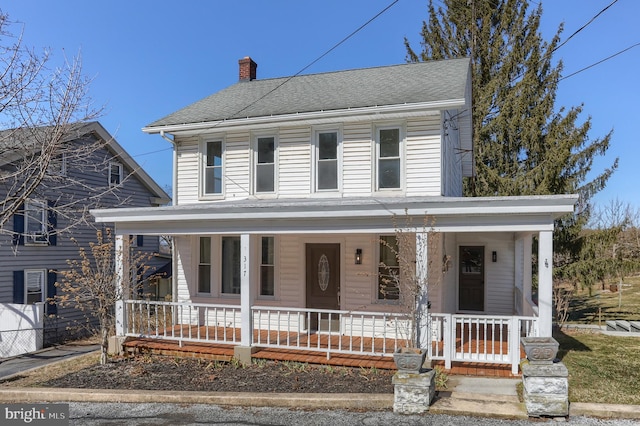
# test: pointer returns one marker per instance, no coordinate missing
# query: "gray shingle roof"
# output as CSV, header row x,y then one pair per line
x,y
431,81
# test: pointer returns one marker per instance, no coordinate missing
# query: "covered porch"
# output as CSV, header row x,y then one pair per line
x,y
356,322
465,343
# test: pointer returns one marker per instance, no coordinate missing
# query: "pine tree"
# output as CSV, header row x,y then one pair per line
x,y
523,146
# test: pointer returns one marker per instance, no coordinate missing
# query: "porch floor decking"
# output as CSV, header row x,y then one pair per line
x,y
224,352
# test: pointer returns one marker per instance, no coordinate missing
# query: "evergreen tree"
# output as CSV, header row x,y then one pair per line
x,y
522,145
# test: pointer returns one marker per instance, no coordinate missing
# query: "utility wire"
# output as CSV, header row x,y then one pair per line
x,y
317,59
599,62
299,72
584,26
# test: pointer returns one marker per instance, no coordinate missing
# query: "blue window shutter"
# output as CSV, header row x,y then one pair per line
x,y
139,240
18,287
52,223
51,308
18,226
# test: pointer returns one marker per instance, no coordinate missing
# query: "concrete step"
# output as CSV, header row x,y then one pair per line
x,y
623,325
611,325
635,326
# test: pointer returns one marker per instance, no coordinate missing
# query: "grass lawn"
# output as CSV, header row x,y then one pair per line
x,y
602,369
603,304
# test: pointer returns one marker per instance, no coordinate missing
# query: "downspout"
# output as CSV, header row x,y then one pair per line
x,y
174,178
174,201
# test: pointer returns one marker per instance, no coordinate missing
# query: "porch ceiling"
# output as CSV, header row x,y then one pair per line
x,y
343,215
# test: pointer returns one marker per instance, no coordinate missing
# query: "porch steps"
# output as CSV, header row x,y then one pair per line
x,y
624,326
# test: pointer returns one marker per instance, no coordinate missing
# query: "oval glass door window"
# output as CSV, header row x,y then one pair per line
x,y
323,272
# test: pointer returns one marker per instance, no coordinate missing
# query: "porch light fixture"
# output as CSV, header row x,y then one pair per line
x,y
494,256
358,256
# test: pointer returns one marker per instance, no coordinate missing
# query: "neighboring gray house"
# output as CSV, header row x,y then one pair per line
x,y
284,193
37,241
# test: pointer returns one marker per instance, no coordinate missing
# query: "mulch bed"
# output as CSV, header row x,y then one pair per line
x,y
152,372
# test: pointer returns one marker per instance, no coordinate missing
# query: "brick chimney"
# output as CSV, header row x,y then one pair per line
x,y
247,69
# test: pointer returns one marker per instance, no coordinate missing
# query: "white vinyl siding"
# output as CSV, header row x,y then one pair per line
x,y
187,165
451,155
237,165
423,164
294,162
357,159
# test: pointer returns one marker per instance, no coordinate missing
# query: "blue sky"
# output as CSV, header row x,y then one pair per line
x,y
149,58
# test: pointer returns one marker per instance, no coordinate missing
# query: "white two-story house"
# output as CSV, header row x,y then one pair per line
x,y
285,192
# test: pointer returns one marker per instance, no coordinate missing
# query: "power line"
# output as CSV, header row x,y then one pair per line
x,y
599,62
317,59
584,26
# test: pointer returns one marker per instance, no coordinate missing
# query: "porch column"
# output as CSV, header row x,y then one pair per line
x,y
527,276
422,272
545,283
122,281
247,290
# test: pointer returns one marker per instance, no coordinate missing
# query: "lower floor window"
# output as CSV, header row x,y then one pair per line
x,y
267,266
34,286
231,265
388,269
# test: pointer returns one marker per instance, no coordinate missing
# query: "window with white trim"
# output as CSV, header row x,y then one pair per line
x,y
204,265
213,168
265,164
58,165
230,267
388,158
115,174
35,286
267,266
388,268
35,222
327,152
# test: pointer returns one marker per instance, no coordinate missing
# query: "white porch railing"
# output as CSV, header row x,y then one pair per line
x,y
349,332
191,322
466,338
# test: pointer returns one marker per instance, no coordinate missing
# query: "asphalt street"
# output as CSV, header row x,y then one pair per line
x,y
159,414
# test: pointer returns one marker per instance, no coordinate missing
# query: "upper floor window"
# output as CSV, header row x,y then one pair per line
x,y
327,153
267,266
212,168
388,268
115,174
388,156
265,163
58,165
35,221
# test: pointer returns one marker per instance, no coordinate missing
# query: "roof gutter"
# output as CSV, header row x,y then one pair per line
x,y
351,114
174,178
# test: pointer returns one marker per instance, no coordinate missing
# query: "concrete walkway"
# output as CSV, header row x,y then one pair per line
x,y
26,362
473,396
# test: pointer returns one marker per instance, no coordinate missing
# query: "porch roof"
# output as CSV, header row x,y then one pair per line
x,y
344,215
